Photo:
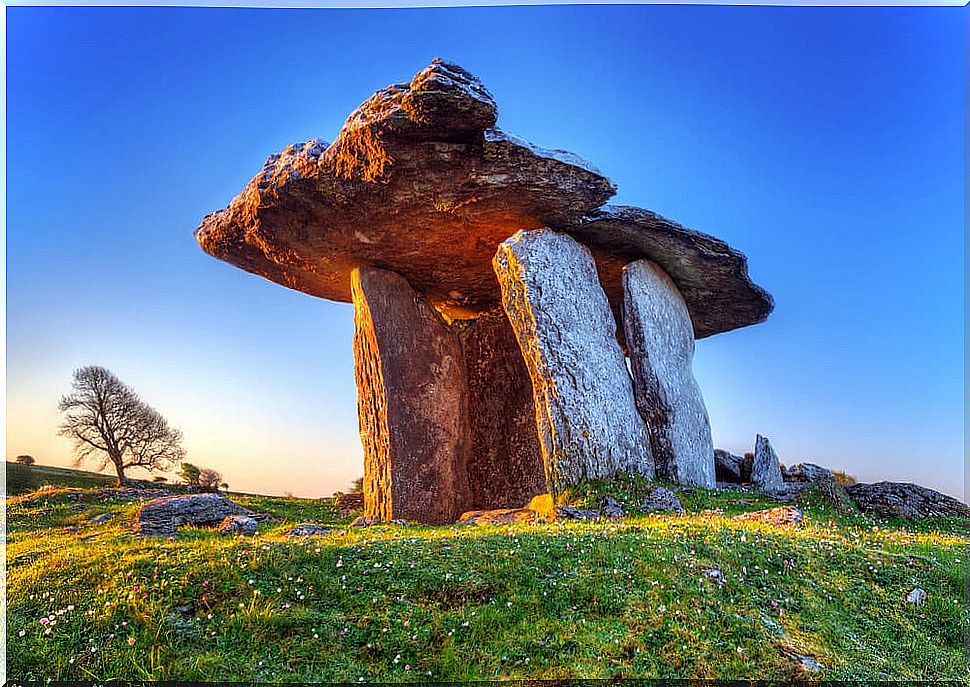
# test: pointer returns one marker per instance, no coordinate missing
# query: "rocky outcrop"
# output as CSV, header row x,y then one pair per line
x,y
729,468
505,468
905,500
587,419
766,470
162,517
824,482
412,402
660,344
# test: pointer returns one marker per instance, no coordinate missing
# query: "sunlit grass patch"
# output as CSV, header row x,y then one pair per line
x,y
632,597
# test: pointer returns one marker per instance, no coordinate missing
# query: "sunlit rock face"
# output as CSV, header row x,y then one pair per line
x,y
412,402
660,343
588,424
505,468
421,182
418,181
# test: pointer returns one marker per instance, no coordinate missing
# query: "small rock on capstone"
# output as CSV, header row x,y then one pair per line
x,y
661,500
238,524
916,596
307,529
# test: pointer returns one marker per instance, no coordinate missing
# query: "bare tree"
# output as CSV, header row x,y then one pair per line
x,y
209,479
109,422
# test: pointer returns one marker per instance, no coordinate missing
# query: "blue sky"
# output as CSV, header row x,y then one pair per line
x,y
826,144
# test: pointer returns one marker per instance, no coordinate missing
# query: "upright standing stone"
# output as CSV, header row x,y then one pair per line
x,y
766,470
585,411
412,402
660,342
505,468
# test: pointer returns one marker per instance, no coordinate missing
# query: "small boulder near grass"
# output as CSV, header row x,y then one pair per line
x,y
238,524
308,529
783,516
661,500
163,516
99,519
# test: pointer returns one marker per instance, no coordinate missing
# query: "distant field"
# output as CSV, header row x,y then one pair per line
x,y
24,478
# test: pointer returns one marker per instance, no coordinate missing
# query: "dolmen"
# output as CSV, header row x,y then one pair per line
x,y
514,335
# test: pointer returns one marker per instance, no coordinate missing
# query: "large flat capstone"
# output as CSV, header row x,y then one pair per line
x,y
660,342
587,419
412,402
420,181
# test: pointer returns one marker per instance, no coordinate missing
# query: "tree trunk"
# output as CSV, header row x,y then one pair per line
x,y
119,464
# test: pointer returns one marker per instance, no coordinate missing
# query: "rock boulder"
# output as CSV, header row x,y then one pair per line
x,y
766,470
163,516
905,500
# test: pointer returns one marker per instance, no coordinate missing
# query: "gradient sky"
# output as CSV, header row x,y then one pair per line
x,y
826,144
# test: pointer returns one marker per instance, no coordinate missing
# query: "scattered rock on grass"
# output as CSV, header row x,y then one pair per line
x,y
661,500
238,524
307,529
611,508
916,596
573,513
808,663
365,521
499,516
163,516
782,516
714,575
98,519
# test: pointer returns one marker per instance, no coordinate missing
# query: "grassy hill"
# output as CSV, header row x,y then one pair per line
x,y
25,478
405,603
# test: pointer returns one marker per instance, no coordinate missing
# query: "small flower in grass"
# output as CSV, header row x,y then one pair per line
x,y
407,666
22,633
131,641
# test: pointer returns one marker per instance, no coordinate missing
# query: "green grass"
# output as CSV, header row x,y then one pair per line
x,y
453,603
22,479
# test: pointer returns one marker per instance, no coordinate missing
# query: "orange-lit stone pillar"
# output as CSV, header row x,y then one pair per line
x,y
412,402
